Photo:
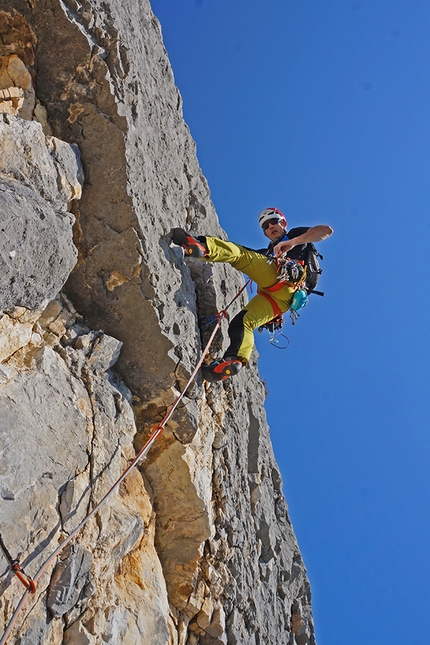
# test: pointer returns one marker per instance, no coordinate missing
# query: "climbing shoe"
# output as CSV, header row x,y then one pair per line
x,y
191,246
220,370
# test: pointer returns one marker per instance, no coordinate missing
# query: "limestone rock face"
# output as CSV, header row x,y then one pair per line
x,y
99,333
39,176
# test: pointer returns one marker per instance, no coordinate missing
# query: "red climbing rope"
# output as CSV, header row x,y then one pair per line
x,y
156,432
208,320
238,294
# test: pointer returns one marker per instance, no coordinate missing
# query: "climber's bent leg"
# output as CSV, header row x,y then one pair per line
x,y
257,312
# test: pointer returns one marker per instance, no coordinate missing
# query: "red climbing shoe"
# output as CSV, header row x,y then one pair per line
x,y
191,246
220,370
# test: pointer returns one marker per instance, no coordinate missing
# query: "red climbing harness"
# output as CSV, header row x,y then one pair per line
x,y
276,310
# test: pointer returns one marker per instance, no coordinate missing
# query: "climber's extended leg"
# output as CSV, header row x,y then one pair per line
x,y
212,249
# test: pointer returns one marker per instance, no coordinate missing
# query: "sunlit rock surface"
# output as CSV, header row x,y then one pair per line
x,y
98,333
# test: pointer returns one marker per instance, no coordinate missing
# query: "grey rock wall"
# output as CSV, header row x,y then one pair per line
x,y
98,335
39,177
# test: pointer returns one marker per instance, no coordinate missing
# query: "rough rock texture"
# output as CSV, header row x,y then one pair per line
x,y
39,176
196,547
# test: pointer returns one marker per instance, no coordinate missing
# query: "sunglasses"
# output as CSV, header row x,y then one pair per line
x,y
270,222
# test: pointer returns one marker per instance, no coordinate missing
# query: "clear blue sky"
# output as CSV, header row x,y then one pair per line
x,y
321,108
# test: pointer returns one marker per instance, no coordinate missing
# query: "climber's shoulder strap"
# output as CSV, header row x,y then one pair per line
x,y
313,269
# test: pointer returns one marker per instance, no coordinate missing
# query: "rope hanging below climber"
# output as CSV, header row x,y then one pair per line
x,y
156,432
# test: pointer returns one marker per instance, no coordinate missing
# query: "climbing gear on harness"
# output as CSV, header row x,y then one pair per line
x,y
304,275
300,300
274,327
269,214
221,370
192,247
290,271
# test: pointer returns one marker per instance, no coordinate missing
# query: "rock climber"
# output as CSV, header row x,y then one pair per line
x,y
273,297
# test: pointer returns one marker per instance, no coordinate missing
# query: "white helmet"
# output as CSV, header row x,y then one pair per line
x,y
271,213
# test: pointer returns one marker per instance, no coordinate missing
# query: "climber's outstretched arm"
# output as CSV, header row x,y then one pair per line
x,y
313,234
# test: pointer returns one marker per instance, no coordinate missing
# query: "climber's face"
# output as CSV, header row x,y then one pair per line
x,y
274,229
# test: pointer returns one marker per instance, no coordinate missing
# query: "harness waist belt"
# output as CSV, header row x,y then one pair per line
x,y
275,306
275,287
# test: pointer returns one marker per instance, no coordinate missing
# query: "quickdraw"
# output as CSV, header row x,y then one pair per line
x,y
16,568
208,320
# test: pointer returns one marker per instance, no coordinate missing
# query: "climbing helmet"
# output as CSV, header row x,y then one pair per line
x,y
271,214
